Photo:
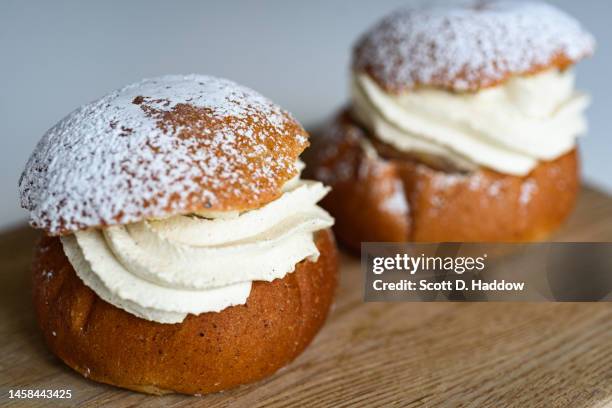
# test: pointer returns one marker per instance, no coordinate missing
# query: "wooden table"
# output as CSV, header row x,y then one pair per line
x,y
372,354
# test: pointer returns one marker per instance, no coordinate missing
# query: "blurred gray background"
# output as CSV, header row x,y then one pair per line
x,y
57,55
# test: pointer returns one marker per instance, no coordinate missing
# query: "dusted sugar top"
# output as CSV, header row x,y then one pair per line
x,y
160,147
469,46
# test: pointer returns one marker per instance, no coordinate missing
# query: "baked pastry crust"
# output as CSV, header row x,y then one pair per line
x,y
469,46
160,147
396,197
205,353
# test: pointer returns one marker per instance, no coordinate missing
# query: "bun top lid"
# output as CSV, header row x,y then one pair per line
x,y
160,147
469,46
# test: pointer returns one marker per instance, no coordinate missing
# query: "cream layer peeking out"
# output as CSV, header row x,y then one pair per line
x,y
507,128
162,270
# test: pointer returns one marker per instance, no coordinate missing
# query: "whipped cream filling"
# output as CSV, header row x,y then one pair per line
x,y
164,269
507,128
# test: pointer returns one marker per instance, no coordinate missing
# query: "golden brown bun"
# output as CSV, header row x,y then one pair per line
x,y
205,353
163,146
469,46
396,198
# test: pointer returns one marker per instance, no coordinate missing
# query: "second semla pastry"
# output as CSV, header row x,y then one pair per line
x,y
462,126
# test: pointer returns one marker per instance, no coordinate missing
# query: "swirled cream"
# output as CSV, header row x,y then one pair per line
x,y
162,270
507,128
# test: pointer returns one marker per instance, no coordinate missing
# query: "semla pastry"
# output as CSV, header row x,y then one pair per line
x,y
462,126
182,251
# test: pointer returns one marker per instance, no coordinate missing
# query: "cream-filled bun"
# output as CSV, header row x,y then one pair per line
x,y
183,251
462,125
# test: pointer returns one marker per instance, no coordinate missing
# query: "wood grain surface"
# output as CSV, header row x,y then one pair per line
x,y
371,354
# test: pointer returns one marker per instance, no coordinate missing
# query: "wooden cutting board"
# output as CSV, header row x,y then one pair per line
x,y
371,354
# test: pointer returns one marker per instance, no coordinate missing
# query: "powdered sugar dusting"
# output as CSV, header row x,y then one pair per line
x,y
468,46
160,146
396,203
528,188
338,140
47,274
